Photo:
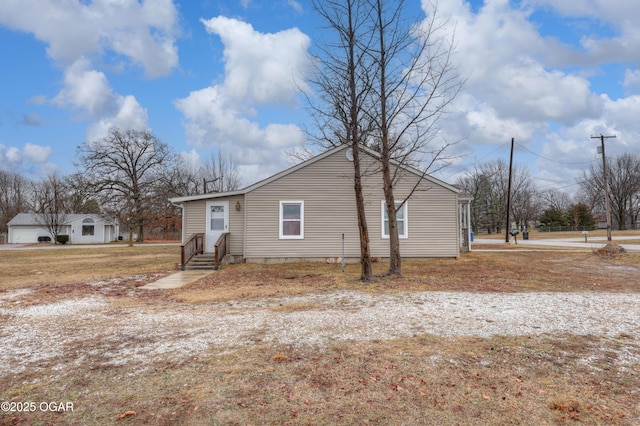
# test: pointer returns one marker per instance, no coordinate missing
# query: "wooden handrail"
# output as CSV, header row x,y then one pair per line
x,y
194,246
221,248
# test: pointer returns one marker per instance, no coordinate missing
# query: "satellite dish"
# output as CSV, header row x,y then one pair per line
x,y
349,154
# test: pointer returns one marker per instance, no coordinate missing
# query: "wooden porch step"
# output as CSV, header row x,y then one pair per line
x,y
201,261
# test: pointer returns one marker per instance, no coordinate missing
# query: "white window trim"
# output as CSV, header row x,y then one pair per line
x,y
383,211
291,237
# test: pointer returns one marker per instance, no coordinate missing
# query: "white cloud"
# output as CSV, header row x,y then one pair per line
x,y
631,78
295,5
78,34
36,153
12,154
489,128
568,152
260,70
144,31
31,159
618,17
504,58
521,84
192,159
88,90
129,115
32,120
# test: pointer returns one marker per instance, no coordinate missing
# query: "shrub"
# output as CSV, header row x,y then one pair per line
x,y
62,239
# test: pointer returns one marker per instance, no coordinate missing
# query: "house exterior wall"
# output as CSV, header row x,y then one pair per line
x,y
76,236
28,234
326,187
194,221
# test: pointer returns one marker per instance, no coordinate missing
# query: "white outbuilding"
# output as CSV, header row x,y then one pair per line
x,y
28,228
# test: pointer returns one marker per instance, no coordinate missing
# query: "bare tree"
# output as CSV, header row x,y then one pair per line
x,y
524,206
488,185
182,178
556,199
488,182
343,82
415,83
123,167
51,200
624,186
220,173
477,185
82,199
15,197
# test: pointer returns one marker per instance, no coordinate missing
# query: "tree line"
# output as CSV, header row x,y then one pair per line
x,y
487,184
129,175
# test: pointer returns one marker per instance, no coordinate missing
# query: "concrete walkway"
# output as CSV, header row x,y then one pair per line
x,y
177,280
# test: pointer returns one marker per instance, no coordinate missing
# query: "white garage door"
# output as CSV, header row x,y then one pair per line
x,y
24,235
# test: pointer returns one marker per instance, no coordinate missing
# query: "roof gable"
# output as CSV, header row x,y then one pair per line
x,y
306,163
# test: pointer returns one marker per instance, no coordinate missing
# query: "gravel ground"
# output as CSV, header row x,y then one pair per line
x,y
83,331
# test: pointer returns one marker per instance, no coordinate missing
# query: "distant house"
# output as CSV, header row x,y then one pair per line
x,y
26,228
304,212
601,220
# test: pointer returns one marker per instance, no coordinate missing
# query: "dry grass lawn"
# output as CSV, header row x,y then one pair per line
x,y
58,267
527,380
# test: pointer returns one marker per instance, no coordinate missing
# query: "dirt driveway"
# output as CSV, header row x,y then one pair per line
x,y
67,334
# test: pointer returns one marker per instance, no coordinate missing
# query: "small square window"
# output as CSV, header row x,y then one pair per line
x,y
291,220
87,230
401,219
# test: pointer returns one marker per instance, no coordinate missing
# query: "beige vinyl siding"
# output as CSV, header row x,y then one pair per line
x,y
195,220
326,187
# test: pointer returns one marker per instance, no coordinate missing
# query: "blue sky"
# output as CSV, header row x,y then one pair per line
x,y
219,74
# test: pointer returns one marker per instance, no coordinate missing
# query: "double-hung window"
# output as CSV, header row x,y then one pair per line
x,y
88,228
291,220
402,219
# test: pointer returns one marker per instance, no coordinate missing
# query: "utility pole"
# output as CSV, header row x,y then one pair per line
x,y
508,224
605,182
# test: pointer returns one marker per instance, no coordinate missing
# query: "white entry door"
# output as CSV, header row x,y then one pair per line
x,y
217,222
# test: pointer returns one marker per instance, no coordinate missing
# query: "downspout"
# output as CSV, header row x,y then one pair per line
x,y
181,206
469,230
244,226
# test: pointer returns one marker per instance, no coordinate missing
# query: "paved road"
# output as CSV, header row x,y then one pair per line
x,y
593,242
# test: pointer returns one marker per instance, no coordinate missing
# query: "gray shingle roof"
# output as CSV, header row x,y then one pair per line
x,y
25,219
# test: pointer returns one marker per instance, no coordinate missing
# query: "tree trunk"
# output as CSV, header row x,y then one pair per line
x,y
354,132
395,259
365,249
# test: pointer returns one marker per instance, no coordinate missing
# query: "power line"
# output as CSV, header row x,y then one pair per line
x,y
554,186
554,161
